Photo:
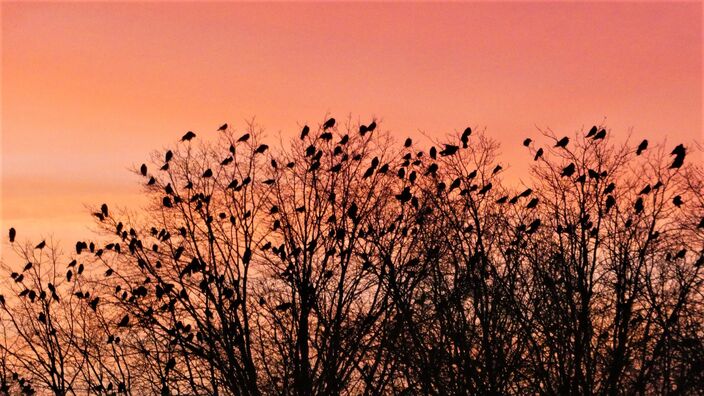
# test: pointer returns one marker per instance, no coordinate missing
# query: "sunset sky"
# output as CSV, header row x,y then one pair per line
x,y
90,89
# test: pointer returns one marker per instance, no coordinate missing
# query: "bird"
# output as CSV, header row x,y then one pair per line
x,y
41,245
188,136
27,267
610,202
465,137
261,149
568,170
638,206
326,136
165,167
329,124
642,147
538,154
562,142
151,181
497,169
408,142
645,190
600,135
124,322
592,132
143,169
450,149
222,127
609,188
94,303
485,189
677,201
362,129
371,127
431,169
502,200
104,210
243,138
13,233
284,306
532,204
169,154
433,152
679,152
527,142
208,173
701,223
305,131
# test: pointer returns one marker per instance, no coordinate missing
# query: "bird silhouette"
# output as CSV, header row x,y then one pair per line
x,y
188,136
362,129
600,135
592,132
284,306
143,169
677,201
538,154
169,154
261,149
371,127
485,189
610,202
151,181
502,200
208,173
104,210
568,170
433,152
679,152
27,267
465,137
13,233
532,204
527,142
431,169
243,138
41,245
327,136
165,167
497,169
609,188
562,142
450,149
124,322
646,190
222,127
638,206
329,124
408,142
642,147
305,131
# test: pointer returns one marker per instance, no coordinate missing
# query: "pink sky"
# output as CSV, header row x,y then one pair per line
x,y
90,89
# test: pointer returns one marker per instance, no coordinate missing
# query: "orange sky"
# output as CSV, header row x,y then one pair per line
x,y
90,89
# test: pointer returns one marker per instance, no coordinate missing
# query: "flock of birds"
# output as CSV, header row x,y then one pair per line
x,y
596,134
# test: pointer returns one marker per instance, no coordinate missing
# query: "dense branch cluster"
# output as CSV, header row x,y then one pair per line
x,y
341,262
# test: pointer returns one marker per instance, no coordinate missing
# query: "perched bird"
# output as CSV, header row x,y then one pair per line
x,y
165,167
592,132
502,200
677,201
609,188
329,124
562,142
600,135
465,137
431,169
124,322
41,245
568,170
638,206
408,142
362,129
94,303
527,142
642,147
371,127
645,191
497,169
104,210
208,173
679,152
538,154
261,149
188,136
151,181
433,152
485,189
326,136
450,149
27,267
284,306
222,127
13,233
243,138
305,131
610,202
532,204
143,169
169,154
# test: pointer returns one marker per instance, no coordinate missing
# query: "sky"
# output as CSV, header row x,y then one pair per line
x,y
91,89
